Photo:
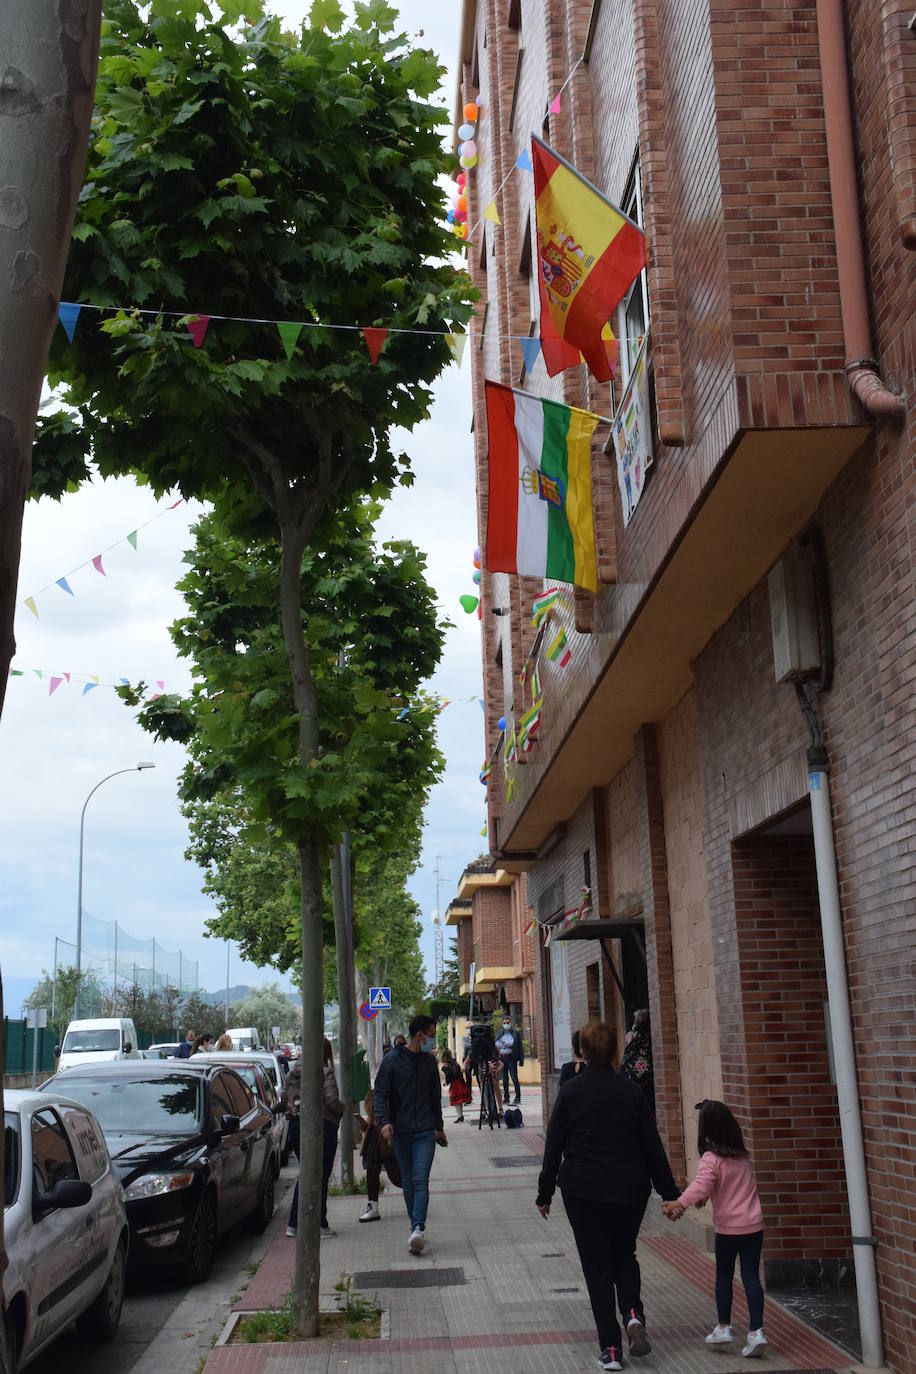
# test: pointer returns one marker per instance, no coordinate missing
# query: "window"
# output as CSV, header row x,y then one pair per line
x,y
587,868
10,1158
515,88
52,1158
633,311
220,1100
515,14
240,1095
167,1104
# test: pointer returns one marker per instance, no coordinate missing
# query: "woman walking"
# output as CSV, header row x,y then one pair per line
x,y
332,1109
726,1176
604,1149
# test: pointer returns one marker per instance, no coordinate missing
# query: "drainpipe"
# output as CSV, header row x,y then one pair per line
x,y
844,1058
861,366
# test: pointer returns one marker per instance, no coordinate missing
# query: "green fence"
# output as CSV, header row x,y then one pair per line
x,y
17,1040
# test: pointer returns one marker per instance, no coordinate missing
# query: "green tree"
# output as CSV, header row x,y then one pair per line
x,y
266,1007
271,177
62,998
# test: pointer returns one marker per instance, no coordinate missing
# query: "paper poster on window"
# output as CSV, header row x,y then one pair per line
x,y
560,1003
633,436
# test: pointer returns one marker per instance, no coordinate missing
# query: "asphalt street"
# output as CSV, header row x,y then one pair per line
x,y
162,1311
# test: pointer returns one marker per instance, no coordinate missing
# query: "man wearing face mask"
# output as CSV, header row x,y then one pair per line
x,y
408,1109
511,1054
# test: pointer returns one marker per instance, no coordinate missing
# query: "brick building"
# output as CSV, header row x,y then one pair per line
x,y
670,774
490,913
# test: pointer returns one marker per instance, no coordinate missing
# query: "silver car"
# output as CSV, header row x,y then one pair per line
x,y
64,1222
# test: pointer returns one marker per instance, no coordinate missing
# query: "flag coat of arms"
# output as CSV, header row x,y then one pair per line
x,y
589,254
539,521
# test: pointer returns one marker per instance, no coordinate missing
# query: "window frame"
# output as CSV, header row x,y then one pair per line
x,y
631,201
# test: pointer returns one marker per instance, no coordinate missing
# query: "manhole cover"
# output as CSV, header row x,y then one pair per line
x,y
408,1278
515,1161
553,1254
564,1290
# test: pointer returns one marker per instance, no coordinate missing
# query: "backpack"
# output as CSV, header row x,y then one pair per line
x,y
513,1118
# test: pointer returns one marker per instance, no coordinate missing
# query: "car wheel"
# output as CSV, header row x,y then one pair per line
x,y
261,1216
100,1321
12,1342
202,1242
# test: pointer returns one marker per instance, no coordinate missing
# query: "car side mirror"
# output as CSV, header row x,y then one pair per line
x,y
277,1109
69,1192
127,1047
229,1125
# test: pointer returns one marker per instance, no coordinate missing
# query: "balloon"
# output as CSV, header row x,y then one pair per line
x,y
480,612
471,112
476,562
468,603
458,230
468,149
450,217
462,180
462,201
501,723
476,577
462,231
460,216
469,162
477,557
466,131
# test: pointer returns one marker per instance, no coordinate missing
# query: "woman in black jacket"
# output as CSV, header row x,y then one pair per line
x,y
604,1149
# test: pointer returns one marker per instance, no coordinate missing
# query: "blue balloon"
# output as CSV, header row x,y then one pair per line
x,y
501,723
450,217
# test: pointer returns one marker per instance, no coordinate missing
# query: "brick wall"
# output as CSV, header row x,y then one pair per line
x,y
492,920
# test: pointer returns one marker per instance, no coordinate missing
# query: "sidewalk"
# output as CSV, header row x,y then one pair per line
x,y
499,1287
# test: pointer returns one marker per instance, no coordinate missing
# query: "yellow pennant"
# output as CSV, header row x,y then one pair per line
x,y
492,214
30,602
455,344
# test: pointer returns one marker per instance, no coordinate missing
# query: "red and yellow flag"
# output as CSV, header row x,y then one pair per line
x,y
589,254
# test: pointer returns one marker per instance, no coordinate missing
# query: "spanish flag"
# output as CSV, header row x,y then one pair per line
x,y
589,254
539,517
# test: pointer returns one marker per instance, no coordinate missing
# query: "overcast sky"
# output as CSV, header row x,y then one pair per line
x,y
54,749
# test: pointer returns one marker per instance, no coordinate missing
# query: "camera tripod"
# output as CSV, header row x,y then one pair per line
x,y
489,1112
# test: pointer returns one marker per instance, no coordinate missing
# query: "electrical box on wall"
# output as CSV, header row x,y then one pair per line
x,y
793,616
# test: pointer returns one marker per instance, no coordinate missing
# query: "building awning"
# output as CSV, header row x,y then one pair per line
x,y
603,930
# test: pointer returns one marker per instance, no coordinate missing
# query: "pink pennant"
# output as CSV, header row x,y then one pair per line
x,y
197,328
67,676
160,684
176,503
97,564
555,103
374,340
55,683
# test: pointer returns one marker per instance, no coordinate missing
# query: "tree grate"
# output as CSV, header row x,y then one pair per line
x,y
409,1278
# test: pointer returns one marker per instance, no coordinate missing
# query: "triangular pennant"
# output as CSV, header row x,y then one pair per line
x,y
555,103
125,682
65,586
524,161
37,672
30,602
160,684
97,564
16,672
374,339
55,683
492,214
455,344
197,328
68,314
132,539
483,830
531,349
67,676
88,688
176,503
289,333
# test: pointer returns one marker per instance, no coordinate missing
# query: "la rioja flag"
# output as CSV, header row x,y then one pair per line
x,y
539,518
589,254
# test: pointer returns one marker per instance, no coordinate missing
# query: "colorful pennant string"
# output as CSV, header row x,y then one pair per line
x,y
374,340
197,328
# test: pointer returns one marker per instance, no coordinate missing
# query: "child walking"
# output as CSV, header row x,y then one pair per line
x,y
377,1155
725,1176
459,1094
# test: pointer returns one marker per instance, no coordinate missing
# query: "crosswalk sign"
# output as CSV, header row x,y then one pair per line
x,y
380,999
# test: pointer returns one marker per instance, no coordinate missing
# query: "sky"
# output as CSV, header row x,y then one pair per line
x,y
55,748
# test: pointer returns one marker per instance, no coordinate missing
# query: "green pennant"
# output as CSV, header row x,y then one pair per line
x,y
132,539
289,333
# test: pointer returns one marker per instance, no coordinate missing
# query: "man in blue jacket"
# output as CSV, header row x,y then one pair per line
x,y
408,1109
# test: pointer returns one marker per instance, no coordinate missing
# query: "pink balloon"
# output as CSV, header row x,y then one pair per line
x,y
468,149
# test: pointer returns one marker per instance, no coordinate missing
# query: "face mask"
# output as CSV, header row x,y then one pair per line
x,y
506,1027
429,1045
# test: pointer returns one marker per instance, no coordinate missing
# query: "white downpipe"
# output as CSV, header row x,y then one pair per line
x,y
863,1244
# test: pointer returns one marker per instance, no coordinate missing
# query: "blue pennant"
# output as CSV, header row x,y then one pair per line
x,y
65,586
531,349
524,161
68,314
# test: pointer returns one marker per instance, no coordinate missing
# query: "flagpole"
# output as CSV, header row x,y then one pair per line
x,y
585,182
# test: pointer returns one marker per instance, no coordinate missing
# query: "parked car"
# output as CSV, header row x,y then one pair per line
x,y
258,1073
163,1050
98,1040
266,1058
244,1037
192,1147
64,1222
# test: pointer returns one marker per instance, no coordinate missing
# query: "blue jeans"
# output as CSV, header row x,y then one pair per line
x,y
414,1154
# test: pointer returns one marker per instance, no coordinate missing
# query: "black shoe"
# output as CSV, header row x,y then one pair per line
x,y
610,1358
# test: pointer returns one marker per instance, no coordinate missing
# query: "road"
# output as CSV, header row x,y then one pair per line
x,y
166,1324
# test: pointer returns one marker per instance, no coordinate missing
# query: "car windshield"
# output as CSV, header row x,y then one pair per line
x,y
165,1105
84,1041
10,1158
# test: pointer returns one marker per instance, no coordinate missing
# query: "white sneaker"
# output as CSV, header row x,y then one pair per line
x,y
756,1344
720,1335
371,1213
291,1231
326,1231
416,1242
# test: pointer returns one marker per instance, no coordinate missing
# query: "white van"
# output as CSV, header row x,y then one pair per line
x,y
244,1037
98,1041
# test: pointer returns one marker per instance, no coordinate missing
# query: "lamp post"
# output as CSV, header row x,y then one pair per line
x,y
79,896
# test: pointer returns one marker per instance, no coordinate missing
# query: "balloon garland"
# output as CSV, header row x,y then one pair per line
x,y
469,603
457,216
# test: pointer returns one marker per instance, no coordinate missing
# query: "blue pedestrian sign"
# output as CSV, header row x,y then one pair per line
x,y
380,999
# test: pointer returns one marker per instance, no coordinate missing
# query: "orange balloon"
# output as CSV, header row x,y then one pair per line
x,y
462,202
471,112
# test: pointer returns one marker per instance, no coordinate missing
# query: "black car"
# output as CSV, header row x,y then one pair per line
x,y
192,1148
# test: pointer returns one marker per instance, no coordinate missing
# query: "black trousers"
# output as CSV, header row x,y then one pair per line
x,y
747,1249
605,1235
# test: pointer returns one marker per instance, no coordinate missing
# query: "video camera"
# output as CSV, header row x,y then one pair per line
x,y
483,1044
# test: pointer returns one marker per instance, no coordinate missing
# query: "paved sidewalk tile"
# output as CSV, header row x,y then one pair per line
x,y
522,1305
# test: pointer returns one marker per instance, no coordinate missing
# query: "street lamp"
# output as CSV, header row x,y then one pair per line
x,y
79,897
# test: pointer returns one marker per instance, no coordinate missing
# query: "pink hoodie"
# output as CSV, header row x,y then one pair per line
x,y
736,1209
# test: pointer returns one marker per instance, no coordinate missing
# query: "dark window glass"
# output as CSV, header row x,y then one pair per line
x,y
52,1158
240,1095
11,1158
85,1041
164,1105
220,1101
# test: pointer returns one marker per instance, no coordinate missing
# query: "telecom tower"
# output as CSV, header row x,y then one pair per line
x,y
437,930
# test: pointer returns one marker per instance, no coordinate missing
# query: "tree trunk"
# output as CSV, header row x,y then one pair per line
x,y
346,1033
49,55
306,1279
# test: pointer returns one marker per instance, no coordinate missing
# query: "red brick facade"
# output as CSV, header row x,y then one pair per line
x,y
667,750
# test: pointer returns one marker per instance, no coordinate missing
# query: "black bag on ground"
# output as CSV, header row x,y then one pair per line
x,y
513,1118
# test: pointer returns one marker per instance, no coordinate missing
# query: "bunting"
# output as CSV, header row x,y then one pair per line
x,y
197,328
374,339
558,650
542,605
